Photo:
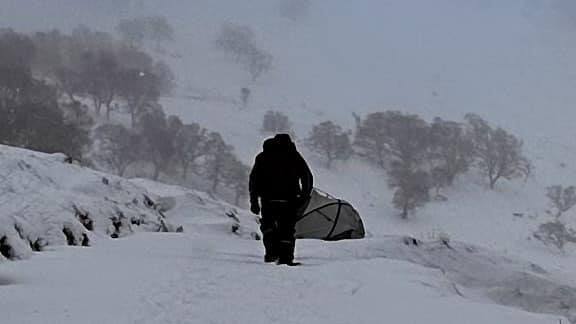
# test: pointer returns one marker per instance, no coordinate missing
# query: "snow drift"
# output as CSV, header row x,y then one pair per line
x,y
46,201
475,273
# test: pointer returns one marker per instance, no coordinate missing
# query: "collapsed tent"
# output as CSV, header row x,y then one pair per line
x,y
328,218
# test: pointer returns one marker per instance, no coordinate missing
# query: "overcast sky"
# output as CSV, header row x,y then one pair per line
x,y
505,58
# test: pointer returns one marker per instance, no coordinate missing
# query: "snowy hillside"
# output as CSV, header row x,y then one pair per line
x,y
46,201
213,270
473,258
513,73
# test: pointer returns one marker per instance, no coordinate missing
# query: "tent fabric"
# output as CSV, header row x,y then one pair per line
x,y
327,218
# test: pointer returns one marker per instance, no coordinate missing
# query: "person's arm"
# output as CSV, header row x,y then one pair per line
x,y
306,177
253,185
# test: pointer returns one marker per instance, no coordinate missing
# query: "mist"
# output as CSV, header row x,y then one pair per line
x,y
444,128
508,61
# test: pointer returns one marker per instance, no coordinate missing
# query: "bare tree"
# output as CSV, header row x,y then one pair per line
x,y
77,113
139,89
369,139
276,122
331,141
399,143
158,140
412,188
388,136
190,144
30,115
49,47
87,40
166,78
561,198
236,177
235,40
451,152
96,66
41,126
76,56
99,76
69,82
16,55
218,157
117,147
257,63
130,58
498,153
239,42
555,233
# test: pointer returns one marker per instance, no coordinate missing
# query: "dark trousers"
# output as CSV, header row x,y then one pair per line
x,y
277,226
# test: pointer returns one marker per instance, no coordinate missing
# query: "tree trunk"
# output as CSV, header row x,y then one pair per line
x,y
451,178
185,167
405,211
329,160
493,176
156,174
122,170
493,181
97,106
215,183
133,116
381,162
108,110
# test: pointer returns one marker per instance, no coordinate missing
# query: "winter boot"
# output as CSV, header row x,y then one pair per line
x,y
289,263
270,258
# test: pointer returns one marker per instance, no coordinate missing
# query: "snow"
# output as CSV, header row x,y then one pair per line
x,y
208,274
41,197
492,272
206,278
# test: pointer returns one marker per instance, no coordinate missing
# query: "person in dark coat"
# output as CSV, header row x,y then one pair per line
x,y
280,183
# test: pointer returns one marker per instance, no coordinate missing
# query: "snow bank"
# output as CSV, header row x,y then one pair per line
x,y
199,212
475,273
45,201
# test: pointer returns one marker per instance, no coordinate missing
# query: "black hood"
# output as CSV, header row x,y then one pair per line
x,y
269,145
284,143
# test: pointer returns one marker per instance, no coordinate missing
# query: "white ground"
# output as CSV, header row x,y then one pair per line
x,y
515,71
203,278
210,275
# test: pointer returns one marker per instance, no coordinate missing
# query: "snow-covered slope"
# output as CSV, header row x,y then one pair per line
x,y
310,84
216,278
45,201
213,271
201,212
443,58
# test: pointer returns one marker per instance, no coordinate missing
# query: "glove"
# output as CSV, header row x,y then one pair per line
x,y
302,200
255,208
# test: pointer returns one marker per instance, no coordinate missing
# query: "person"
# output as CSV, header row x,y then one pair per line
x,y
280,183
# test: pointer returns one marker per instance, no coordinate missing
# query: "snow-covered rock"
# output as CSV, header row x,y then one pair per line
x,y
45,201
200,212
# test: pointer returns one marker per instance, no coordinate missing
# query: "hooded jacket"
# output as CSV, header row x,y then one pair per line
x,y
280,172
